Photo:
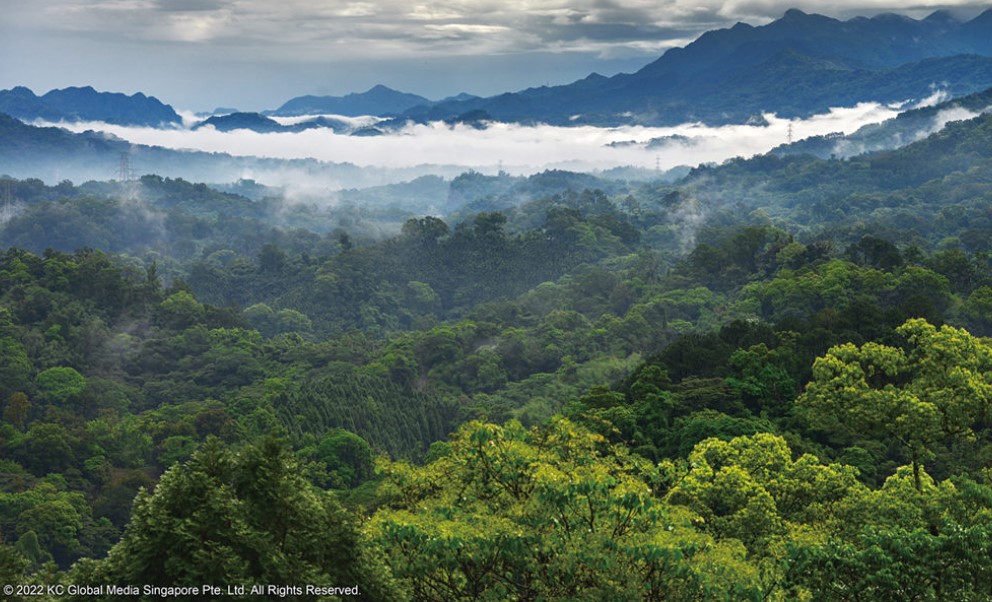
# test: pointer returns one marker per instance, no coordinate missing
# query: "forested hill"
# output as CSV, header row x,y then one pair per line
x,y
765,381
917,180
905,128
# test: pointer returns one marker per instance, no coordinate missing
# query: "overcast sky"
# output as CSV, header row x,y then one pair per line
x,y
256,54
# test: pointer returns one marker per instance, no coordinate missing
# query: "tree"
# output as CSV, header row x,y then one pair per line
x,y
60,384
940,388
750,489
15,367
47,447
547,514
16,410
12,568
898,543
347,456
180,310
240,517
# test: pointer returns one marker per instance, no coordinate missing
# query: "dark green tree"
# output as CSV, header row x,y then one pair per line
x,y
240,517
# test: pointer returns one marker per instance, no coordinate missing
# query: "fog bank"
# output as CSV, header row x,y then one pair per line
x,y
517,149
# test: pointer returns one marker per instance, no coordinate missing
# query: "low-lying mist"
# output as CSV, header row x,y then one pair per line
x,y
517,149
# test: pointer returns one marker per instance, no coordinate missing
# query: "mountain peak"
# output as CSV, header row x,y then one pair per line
x,y
77,90
941,16
796,20
84,103
22,91
984,18
378,100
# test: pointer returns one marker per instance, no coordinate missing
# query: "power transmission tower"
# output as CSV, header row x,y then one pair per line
x,y
125,177
124,171
790,133
7,209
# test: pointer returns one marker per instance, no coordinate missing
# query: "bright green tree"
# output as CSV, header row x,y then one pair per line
x,y
941,387
60,384
549,513
751,489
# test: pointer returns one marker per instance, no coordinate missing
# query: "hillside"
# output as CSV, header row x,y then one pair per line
x,y
905,128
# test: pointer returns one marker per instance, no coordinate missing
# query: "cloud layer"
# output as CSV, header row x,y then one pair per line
x,y
517,149
311,28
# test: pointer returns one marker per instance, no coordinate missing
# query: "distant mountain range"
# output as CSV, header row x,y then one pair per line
x,y
796,66
53,154
86,104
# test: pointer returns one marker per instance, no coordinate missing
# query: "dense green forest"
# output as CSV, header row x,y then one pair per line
x,y
768,380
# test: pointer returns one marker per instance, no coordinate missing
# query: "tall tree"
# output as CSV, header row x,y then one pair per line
x,y
940,388
241,517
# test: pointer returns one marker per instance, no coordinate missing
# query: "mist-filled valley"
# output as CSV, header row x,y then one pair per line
x,y
520,149
406,349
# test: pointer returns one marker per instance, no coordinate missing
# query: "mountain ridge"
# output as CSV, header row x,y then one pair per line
x,y
87,104
796,66
379,100
692,82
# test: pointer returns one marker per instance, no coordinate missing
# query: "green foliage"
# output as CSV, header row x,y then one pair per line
x,y
549,514
240,517
751,489
59,385
348,458
936,389
13,566
15,367
391,418
180,310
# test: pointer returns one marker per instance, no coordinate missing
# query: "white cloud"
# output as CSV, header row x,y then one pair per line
x,y
520,149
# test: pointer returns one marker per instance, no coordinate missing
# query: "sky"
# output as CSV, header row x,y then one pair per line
x,y
256,54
